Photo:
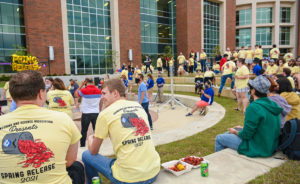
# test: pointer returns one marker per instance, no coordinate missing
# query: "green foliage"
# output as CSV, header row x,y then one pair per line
x,y
5,78
168,52
110,57
216,51
20,51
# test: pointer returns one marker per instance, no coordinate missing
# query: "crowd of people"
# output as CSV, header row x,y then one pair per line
x,y
40,140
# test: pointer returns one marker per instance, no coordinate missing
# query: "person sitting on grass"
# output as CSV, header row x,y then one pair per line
x,y
207,99
260,135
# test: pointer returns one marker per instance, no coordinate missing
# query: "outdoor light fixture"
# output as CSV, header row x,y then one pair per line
x,y
51,53
130,54
198,55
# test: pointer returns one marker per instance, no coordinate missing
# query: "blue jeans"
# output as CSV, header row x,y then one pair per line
x,y
203,65
223,81
146,108
98,163
227,140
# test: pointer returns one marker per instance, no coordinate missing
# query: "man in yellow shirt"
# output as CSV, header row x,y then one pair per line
x,y
159,64
288,56
228,52
191,65
274,53
227,69
203,57
242,53
38,145
258,53
180,58
126,123
125,72
272,68
249,57
235,55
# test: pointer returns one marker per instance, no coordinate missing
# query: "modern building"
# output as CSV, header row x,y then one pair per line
x,y
97,36
268,22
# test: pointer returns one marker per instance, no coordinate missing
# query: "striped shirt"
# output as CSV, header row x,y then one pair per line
x,y
91,96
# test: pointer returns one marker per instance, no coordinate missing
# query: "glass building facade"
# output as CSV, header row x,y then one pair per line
x,y
12,31
284,36
264,36
243,37
263,15
158,26
285,15
89,31
243,17
211,26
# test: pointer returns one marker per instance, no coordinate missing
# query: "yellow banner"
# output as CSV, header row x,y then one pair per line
x,y
20,63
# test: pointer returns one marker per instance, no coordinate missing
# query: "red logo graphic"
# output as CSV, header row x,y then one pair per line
x,y
141,126
36,153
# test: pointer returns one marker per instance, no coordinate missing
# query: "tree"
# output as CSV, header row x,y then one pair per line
x,y
110,57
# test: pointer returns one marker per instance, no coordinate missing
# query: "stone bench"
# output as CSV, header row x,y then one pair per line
x,y
226,166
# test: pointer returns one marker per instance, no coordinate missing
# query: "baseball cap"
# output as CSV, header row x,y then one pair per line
x,y
261,84
271,60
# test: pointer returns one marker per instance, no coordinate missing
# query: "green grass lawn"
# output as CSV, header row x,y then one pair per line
x,y
202,144
2,84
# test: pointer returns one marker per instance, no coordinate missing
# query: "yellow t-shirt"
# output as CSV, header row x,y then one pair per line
x,y
181,59
274,53
203,55
60,100
242,83
228,67
6,87
159,63
249,54
199,75
288,56
137,72
235,55
216,67
209,74
191,62
171,62
137,159
54,131
280,70
271,69
291,81
242,54
198,66
125,72
258,53
265,64
228,53
295,69
143,68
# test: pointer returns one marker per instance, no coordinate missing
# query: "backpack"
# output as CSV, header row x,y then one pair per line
x,y
289,142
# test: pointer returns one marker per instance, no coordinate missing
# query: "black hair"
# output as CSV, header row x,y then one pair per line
x,y
225,55
287,71
257,93
274,45
241,60
284,85
89,80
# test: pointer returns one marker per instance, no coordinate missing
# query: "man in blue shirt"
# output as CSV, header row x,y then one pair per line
x,y
160,81
143,97
256,68
207,99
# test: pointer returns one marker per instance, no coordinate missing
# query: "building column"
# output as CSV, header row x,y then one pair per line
x,y
44,28
130,31
276,15
188,26
115,32
65,36
253,24
230,23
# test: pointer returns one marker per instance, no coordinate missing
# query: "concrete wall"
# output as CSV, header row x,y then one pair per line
x,y
44,28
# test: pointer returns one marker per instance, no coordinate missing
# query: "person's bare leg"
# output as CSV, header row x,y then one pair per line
x,y
245,101
76,103
240,101
194,109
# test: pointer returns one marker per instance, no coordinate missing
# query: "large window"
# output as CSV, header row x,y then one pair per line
x,y
243,37
211,27
284,37
285,15
12,31
90,36
263,15
243,17
158,26
264,36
